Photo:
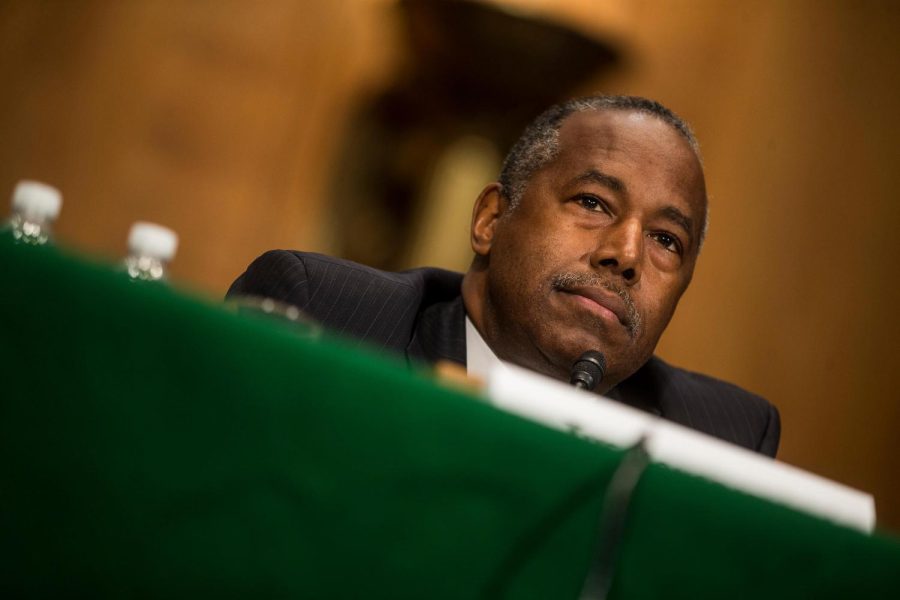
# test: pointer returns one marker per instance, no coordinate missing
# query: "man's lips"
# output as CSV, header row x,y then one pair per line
x,y
602,302
602,298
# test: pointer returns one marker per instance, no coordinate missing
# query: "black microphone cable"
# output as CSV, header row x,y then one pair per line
x,y
611,528
587,372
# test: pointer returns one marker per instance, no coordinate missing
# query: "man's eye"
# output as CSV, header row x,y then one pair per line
x,y
667,241
592,203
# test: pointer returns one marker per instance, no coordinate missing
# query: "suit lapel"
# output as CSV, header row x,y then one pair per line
x,y
439,334
643,389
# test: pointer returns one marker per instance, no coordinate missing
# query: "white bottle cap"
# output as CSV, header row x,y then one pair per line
x,y
155,241
36,201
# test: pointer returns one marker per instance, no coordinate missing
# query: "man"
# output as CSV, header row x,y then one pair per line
x,y
586,242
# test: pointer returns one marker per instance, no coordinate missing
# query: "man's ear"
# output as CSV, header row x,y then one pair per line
x,y
490,206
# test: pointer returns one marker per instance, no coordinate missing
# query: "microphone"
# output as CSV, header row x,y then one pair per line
x,y
588,370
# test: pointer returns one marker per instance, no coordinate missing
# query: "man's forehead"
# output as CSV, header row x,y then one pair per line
x,y
624,130
593,138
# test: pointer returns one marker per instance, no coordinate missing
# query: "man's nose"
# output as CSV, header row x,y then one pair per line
x,y
620,250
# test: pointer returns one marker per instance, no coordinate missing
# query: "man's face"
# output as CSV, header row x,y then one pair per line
x,y
600,248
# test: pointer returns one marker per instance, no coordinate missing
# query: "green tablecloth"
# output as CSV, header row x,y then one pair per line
x,y
156,445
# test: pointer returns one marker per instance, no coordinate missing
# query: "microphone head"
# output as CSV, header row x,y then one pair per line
x,y
588,370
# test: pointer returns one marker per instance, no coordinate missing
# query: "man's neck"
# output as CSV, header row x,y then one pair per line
x,y
484,320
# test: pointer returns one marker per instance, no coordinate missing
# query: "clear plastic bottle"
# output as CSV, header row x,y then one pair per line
x,y
35,206
151,248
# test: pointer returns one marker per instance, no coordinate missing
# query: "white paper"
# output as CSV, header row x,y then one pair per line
x,y
563,407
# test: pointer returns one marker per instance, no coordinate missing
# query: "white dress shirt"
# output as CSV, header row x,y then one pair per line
x,y
480,359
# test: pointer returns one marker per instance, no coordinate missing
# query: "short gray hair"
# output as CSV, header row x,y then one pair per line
x,y
539,143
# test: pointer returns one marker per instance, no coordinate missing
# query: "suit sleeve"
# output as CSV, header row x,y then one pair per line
x,y
768,445
277,274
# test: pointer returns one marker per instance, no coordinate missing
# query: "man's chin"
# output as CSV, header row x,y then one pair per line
x,y
621,359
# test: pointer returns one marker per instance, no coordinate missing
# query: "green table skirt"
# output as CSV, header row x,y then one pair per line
x,y
157,445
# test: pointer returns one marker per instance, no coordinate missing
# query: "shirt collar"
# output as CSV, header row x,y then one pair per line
x,y
480,359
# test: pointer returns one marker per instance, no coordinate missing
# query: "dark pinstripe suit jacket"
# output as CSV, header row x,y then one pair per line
x,y
419,314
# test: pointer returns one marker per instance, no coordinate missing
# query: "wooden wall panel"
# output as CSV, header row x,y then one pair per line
x,y
216,118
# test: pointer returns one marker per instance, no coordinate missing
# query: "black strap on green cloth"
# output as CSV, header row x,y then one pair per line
x,y
613,519
530,543
619,491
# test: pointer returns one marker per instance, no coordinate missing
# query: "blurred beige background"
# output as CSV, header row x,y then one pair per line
x,y
226,119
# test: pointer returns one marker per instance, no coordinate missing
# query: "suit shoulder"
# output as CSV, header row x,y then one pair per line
x,y
274,274
356,301
705,384
280,274
713,406
428,283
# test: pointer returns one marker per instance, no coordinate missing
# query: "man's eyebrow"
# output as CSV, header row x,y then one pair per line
x,y
670,213
679,218
613,183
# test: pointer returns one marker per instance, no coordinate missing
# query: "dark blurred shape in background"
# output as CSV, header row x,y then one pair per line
x,y
474,71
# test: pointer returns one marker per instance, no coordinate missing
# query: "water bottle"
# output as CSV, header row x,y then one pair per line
x,y
35,206
150,249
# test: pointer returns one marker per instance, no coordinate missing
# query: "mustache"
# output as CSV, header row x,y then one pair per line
x,y
571,280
